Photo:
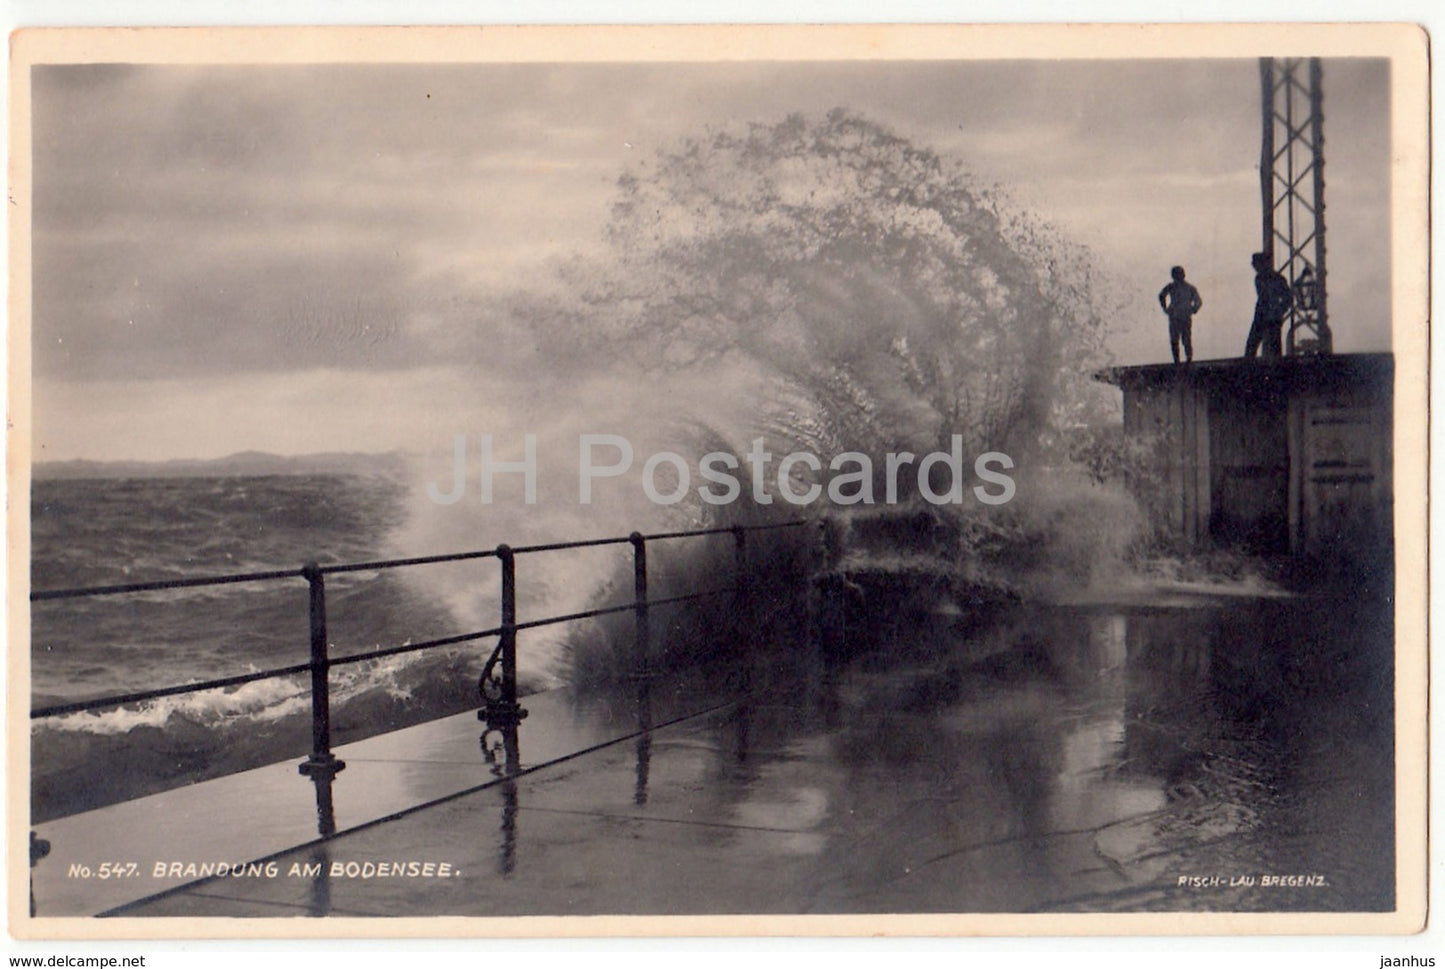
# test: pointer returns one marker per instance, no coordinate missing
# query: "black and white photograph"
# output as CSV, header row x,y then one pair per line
x,y
811,480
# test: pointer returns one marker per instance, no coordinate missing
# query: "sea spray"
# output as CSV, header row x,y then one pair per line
x,y
824,285
658,415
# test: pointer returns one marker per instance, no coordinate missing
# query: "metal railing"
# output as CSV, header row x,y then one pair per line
x,y
497,683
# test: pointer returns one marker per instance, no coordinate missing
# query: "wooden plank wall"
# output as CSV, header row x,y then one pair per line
x,y
1172,424
1342,487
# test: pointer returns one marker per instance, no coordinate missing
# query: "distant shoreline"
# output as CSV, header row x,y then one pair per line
x,y
241,464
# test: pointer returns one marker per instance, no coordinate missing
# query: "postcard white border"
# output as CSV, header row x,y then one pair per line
x,y
1404,45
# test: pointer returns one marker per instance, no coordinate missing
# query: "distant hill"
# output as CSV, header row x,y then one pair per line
x,y
242,464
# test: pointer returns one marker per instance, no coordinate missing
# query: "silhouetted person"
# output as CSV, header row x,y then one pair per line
x,y
1272,302
1180,301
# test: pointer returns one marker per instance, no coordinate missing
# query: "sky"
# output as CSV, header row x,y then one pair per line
x,y
298,258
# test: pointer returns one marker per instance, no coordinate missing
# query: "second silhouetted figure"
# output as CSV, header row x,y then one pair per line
x,y
1272,304
1180,301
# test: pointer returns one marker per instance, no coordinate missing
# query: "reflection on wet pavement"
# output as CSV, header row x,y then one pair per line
x,y
1230,758
1169,759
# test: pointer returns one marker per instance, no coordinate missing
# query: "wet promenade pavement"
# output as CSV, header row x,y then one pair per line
x,y
1233,757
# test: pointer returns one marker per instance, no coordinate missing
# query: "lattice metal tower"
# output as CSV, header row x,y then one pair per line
x,y
1292,182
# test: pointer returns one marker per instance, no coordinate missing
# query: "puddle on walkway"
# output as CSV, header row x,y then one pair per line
x,y
1094,760
1232,757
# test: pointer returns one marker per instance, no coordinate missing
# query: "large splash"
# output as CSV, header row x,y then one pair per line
x,y
824,285
821,286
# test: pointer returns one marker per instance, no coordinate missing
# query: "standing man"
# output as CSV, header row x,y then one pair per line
x,y
1180,301
1272,303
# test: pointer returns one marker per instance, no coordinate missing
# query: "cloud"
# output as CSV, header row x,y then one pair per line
x,y
197,223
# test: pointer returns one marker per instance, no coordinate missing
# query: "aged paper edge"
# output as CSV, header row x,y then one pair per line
x,y
1405,45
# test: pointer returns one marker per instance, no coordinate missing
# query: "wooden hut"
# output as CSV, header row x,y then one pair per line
x,y
1273,455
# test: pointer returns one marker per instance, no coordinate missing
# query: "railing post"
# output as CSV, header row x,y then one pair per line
x,y
322,767
508,744
512,764
320,883
642,644
499,694
740,565
39,848
742,590
509,626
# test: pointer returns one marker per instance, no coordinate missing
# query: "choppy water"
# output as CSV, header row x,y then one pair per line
x,y
103,532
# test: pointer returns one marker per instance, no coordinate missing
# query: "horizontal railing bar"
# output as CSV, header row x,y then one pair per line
x,y
689,597
724,530
560,546
102,702
414,647
198,582
116,701
121,700
110,590
625,539
769,526
399,563
659,536
629,607
574,616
